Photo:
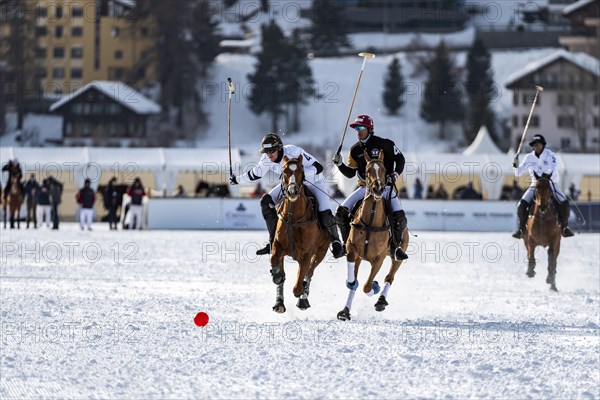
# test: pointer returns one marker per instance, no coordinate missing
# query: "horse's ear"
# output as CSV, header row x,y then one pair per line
x,y
285,159
367,156
381,154
536,176
300,159
549,175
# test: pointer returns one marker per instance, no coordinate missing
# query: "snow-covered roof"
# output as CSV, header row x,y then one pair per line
x,y
237,43
482,144
582,60
118,91
577,5
126,3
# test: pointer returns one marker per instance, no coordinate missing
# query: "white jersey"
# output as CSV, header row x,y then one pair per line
x,y
312,167
544,164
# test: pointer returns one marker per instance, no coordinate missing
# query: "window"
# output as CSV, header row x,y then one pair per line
x,y
516,98
144,31
41,52
566,99
596,96
596,124
77,52
117,74
77,109
534,123
115,129
528,98
58,31
565,143
76,73
114,109
58,72
115,31
87,129
59,52
41,31
98,109
41,72
68,129
77,12
566,121
41,12
59,12
118,54
515,121
77,31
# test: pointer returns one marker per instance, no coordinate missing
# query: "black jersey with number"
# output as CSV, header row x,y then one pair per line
x,y
393,159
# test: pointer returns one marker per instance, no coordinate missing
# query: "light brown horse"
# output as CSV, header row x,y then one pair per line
x,y
14,201
369,238
297,235
543,229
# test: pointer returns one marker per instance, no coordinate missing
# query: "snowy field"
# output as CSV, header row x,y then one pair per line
x,y
110,315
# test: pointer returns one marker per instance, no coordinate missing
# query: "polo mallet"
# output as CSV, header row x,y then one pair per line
x,y
365,57
231,90
538,89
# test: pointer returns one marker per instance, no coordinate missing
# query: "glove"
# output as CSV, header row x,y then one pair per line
x,y
233,180
391,178
516,162
337,159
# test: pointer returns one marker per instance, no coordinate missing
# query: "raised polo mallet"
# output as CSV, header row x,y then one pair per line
x,y
538,89
365,57
231,90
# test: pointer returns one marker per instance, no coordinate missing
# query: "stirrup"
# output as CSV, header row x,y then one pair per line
x,y
518,234
567,232
399,254
264,250
337,249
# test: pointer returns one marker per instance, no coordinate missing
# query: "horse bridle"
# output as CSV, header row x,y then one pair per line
x,y
542,208
380,185
291,189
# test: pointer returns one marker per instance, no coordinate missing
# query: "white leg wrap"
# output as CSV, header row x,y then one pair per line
x,y
351,276
386,287
371,293
351,294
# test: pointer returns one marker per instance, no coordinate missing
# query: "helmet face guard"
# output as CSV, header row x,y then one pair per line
x,y
271,143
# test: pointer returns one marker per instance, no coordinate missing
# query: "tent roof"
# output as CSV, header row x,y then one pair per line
x,y
482,144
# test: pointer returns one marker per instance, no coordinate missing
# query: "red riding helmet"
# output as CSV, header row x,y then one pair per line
x,y
363,120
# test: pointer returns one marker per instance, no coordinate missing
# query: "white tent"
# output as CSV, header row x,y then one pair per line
x,y
482,144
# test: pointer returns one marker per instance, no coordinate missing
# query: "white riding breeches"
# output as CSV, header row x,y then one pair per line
x,y
556,192
319,190
359,194
86,217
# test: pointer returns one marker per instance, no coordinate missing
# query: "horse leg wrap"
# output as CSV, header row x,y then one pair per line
x,y
277,274
564,209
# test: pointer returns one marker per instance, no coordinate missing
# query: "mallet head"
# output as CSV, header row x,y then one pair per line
x,y
539,88
366,55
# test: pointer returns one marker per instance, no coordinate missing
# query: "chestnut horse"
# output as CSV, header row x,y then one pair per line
x,y
369,238
13,202
297,235
543,229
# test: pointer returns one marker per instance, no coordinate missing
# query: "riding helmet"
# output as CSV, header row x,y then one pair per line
x,y
537,139
363,120
270,143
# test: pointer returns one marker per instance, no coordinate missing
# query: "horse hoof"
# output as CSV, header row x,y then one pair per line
x,y
353,285
381,303
530,273
279,307
344,315
303,304
550,279
553,288
376,288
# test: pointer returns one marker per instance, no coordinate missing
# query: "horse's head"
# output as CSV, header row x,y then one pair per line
x,y
292,177
543,191
375,175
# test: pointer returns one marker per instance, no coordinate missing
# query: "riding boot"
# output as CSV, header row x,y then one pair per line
x,y
398,227
342,218
327,220
522,211
268,211
563,217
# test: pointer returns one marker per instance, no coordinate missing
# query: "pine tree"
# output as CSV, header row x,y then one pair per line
x,y
394,88
328,32
481,90
442,97
282,76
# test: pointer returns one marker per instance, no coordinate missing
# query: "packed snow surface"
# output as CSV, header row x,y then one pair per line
x,y
110,314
